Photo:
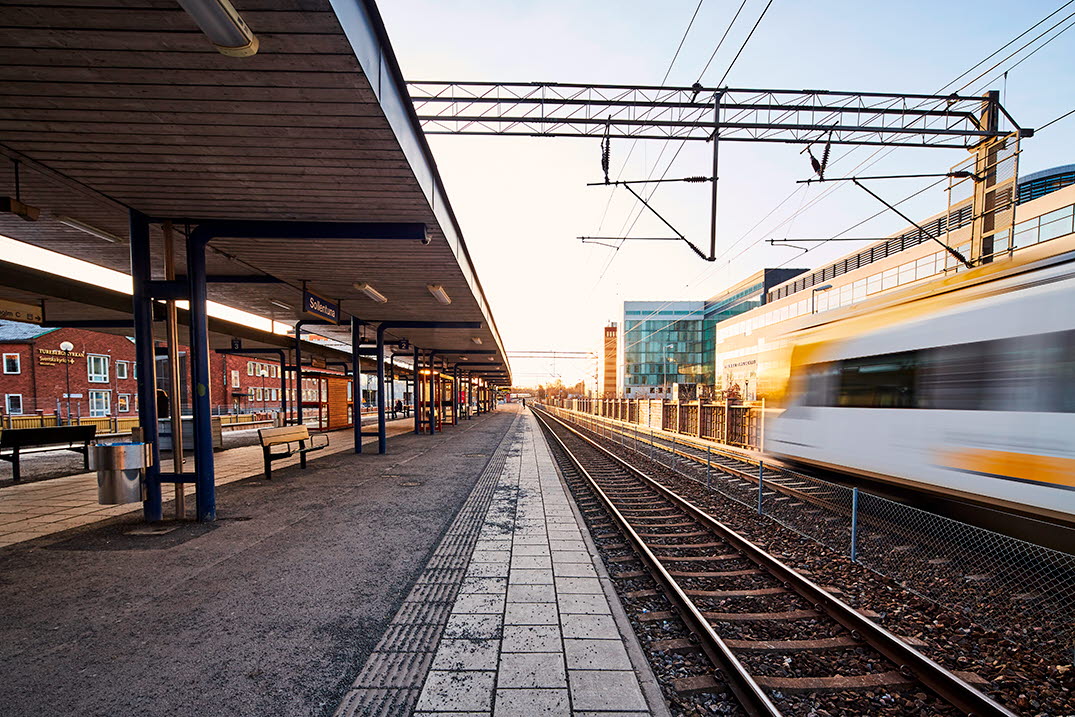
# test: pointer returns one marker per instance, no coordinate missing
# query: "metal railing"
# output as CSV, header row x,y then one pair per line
x,y
737,425
1023,591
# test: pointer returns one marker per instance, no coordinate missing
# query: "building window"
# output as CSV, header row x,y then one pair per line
x,y
98,368
274,371
121,369
124,403
13,404
249,368
235,378
12,363
257,394
100,403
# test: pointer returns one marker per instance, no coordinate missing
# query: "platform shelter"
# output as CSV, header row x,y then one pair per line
x,y
285,176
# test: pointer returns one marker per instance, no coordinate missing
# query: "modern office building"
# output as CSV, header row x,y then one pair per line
x,y
660,346
609,361
675,342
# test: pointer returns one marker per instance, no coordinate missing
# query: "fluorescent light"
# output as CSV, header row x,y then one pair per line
x,y
88,229
477,340
224,27
372,293
281,304
439,293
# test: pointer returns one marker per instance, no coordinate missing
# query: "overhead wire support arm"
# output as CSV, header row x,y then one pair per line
x,y
686,113
955,253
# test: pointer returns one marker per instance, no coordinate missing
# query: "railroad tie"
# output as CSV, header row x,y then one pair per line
x,y
761,616
838,683
826,643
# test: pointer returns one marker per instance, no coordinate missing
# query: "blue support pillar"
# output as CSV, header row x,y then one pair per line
x,y
382,428
205,481
145,361
432,393
356,383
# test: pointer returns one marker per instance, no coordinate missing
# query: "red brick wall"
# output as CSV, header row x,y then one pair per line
x,y
43,379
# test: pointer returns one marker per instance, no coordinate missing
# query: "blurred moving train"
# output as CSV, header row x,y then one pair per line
x,y
966,387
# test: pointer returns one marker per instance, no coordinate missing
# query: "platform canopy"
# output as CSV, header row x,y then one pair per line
x,y
112,105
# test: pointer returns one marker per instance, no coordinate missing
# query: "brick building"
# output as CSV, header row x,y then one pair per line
x,y
35,372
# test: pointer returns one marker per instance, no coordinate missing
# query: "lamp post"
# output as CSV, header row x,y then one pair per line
x,y
664,372
67,347
813,296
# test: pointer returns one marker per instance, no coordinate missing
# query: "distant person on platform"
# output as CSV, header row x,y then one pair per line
x,y
397,408
524,403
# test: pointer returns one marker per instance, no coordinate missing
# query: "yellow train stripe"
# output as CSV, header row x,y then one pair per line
x,y
1017,466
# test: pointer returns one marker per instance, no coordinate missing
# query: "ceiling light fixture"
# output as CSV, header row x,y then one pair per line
x,y
439,293
372,293
477,340
88,229
224,27
280,304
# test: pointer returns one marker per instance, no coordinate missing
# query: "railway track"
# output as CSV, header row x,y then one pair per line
x,y
771,635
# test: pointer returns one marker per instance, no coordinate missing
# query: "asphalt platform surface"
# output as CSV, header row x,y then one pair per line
x,y
272,610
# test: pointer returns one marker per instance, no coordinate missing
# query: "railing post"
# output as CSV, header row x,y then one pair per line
x,y
708,465
761,486
854,524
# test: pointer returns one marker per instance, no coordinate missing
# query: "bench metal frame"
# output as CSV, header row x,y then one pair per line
x,y
16,439
267,443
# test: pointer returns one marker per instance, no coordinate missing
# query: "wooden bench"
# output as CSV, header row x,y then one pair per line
x,y
14,440
293,438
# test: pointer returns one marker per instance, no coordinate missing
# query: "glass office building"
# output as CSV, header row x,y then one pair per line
x,y
667,342
661,341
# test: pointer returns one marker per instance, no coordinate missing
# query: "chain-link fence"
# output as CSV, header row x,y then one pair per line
x,y
1020,589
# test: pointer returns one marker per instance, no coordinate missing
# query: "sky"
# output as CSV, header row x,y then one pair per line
x,y
522,202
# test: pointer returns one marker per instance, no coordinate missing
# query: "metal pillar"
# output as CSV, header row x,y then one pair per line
x,y
145,362
172,330
356,383
417,376
455,395
382,427
432,392
205,481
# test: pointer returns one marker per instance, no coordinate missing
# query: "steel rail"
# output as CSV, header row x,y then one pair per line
x,y
749,693
910,661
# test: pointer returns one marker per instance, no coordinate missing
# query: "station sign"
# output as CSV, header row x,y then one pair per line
x,y
315,305
14,311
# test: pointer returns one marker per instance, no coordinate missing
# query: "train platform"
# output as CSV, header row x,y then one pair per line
x,y
451,576
34,509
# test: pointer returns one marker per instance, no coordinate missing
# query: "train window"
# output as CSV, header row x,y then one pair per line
x,y
951,377
887,381
818,379
873,284
1062,373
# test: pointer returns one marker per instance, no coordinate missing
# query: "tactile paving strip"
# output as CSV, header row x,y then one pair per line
x,y
391,680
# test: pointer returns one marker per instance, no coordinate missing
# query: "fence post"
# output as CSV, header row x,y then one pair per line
x,y
708,465
761,486
854,524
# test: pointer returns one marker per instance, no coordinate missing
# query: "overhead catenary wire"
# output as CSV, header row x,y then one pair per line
x,y
871,158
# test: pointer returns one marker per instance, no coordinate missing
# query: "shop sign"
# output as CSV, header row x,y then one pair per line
x,y
55,357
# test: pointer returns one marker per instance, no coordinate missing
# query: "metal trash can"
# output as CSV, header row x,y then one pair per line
x,y
121,471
